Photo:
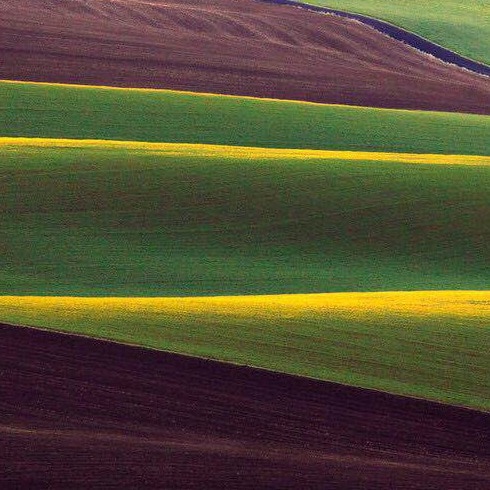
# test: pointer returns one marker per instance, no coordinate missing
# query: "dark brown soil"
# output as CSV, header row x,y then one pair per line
x,y
239,47
82,413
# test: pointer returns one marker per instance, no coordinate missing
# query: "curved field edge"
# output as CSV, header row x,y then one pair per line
x,y
158,412
42,110
427,344
261,50
462,28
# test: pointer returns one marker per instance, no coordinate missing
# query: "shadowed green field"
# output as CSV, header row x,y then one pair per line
x,y
124,219
127,221
463,27
426,344
57,111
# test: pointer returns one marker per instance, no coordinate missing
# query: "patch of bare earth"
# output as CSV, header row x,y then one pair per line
x,y
82,413
240,47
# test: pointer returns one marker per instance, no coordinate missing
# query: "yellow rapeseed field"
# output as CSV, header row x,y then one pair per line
x,y
242,152
468,304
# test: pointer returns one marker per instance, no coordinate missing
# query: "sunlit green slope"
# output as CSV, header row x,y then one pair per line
x,y
57,111
138,221
427,344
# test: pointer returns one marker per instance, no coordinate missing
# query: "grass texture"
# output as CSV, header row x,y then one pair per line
x,y
463,27
67,111
134,219
426,344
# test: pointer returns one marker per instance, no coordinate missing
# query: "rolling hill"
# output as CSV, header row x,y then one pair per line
x,y
210,287
240,47
101,415
125,219
422,344
80,112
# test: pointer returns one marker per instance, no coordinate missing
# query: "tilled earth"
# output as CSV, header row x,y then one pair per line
x,y
84,413
241,47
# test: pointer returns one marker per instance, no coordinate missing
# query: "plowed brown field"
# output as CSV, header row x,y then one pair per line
x,y
237,47
83,413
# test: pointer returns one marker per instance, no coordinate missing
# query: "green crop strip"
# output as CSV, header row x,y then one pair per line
x,y
122,221
63,111
431,345
133,221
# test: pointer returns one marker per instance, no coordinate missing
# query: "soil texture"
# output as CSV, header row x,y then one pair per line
x,y
84,413
240,47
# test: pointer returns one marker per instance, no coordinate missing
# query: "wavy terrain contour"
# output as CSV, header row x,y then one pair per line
x,y
398,33
231,47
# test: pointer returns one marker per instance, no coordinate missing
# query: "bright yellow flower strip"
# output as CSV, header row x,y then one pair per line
x,y
468,304
222,151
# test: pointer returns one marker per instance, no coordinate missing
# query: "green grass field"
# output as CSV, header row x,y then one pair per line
x,y
128,221
56,111
431,345
463,27
136,222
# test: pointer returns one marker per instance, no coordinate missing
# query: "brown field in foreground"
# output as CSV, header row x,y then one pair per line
x,y
77,412
237,47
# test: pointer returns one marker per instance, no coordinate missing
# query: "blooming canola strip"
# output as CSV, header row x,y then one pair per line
x,y
470,304
243,152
